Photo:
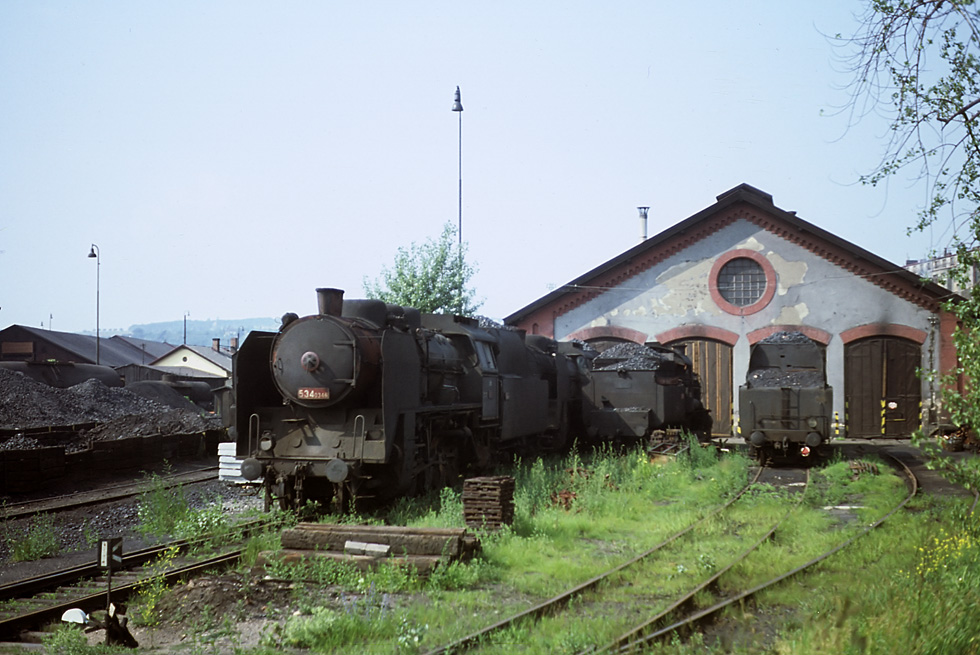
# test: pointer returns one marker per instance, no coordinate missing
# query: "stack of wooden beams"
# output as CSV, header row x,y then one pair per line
x,y
367,545
488,502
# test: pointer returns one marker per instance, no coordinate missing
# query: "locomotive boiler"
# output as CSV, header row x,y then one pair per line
x,y
364,400
785,404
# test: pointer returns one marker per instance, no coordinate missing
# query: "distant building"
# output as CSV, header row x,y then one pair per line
x,y
134,359
191,361
29,344
940,270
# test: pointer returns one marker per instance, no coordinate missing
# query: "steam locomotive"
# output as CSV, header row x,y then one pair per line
x,y
365,400
785,404
635,391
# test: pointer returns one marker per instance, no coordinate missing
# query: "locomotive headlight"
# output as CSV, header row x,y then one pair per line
x,y
310,361
266,443
812,422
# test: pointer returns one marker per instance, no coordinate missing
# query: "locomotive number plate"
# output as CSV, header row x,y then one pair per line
x,y
314,393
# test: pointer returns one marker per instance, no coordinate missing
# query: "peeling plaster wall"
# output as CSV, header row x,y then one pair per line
x,y
810,290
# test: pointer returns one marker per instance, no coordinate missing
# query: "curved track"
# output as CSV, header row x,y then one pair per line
x,y
657,626
562,599
642,635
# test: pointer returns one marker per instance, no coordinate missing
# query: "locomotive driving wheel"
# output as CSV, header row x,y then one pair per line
x,y
438,463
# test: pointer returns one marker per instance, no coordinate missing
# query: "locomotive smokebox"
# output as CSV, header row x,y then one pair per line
x,y
330,301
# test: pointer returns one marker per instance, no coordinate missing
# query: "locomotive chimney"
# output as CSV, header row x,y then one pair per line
x,y
330,301
643,222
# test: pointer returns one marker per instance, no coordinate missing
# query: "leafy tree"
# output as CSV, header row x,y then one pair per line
x,y
917,61
431,277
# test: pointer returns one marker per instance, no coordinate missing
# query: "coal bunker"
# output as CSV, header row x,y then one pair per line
x,y
116,412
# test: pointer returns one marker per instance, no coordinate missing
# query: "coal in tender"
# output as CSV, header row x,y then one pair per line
x,y
787,337
631,357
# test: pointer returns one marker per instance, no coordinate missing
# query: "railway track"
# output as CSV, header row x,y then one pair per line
x,y
660,626
10,511
30,603
678,615
555,603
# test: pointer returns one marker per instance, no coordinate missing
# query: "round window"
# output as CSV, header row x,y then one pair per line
x,y
742,282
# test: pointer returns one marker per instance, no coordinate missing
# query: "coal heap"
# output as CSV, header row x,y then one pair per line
x,y
26,403
631,357
787,337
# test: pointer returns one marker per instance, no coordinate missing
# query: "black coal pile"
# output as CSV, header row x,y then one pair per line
x,y
26,403
487,323
631,357
787,337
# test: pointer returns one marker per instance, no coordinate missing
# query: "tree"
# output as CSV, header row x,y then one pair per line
x,y
917,60
432,277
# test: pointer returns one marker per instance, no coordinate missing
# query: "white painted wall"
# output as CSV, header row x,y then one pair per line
x,y
810,291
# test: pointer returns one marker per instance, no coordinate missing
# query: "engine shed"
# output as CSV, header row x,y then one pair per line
x,y
742,270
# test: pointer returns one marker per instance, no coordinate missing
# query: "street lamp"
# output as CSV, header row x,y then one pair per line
x,y
95,254
458,108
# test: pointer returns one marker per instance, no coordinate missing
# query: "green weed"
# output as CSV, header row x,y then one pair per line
x,y
39,541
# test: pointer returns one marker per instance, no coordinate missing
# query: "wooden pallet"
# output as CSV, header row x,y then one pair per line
x,y
488,502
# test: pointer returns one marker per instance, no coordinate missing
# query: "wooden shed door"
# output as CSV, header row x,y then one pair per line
x,y
713,363
881,389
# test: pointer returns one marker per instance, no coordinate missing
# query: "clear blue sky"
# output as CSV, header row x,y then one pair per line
x,y
229,157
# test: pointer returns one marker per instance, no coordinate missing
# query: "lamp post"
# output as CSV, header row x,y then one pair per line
x,y
458,108
95,254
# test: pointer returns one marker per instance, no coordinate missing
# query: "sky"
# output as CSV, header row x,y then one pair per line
x,y
229,157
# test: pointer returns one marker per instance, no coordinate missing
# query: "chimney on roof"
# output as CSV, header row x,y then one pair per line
x,y
234,345
216,345
643,222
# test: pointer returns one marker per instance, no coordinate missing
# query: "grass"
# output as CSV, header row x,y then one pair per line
x,y
38,541
911,586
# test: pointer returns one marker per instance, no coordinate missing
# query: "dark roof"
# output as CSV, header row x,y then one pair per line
x,y
114,351
743,193
153,349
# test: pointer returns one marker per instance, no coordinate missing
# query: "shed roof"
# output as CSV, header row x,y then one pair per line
x,y
114,351
760,209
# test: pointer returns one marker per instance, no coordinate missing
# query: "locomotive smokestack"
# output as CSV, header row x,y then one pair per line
x,y
330,301
643,222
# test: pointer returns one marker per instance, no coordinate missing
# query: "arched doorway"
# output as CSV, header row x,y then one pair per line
x,y
882,392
